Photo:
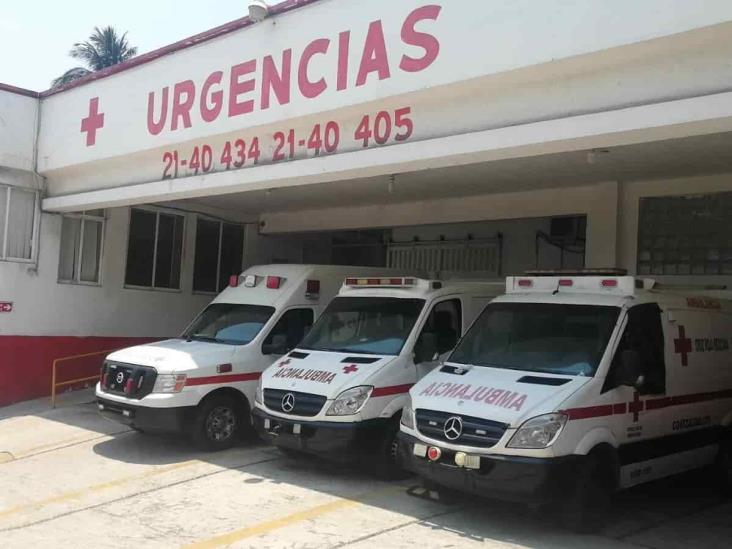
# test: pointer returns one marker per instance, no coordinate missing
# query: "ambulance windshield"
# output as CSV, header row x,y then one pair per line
x,y
229,323
539,337
369,325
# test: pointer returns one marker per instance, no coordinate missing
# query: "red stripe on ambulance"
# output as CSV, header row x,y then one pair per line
x,y
391,390
648,404
210,380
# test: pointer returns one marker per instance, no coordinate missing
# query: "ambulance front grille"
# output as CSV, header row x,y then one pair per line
x,y
303,404
474,431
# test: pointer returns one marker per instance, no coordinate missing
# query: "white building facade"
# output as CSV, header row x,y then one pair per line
x,y
485,137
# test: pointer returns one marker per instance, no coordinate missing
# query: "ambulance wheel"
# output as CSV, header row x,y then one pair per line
x,y
723,465
585,509
217,423
389,464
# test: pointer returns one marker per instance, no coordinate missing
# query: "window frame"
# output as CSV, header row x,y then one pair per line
x,y
36,225
275,321
437,302
640,309
221,224
157,212
83,216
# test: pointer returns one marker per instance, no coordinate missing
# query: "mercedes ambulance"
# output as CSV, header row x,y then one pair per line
x,y
571,387
340,393
203,382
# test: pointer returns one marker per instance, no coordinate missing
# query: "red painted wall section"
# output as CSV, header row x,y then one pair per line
x,y
25,362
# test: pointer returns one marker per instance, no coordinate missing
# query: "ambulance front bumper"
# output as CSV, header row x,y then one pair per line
x,y
508,478
337,441
157,420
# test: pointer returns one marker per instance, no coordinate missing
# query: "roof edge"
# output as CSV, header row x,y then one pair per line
x,y
196,39
19,91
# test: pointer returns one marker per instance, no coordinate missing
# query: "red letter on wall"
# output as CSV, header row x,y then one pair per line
x,y
278,82
156,127
307,88
209,114
344,40
238,87
374,57
427,42
182,107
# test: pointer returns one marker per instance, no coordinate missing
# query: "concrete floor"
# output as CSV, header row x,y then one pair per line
x,y
69,478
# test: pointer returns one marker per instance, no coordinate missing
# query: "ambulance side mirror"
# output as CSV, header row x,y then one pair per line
x,y
277,346
426,348
628,369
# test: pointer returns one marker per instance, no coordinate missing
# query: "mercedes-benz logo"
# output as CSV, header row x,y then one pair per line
x,y
453,428
288,402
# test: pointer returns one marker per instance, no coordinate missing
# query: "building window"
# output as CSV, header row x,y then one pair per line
x,y
219,254
685,235
18,209
154,249
82,237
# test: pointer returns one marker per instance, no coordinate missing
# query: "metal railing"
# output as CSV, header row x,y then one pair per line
x,y
57,361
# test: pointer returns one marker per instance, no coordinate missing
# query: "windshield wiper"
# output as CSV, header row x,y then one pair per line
x,y
199,337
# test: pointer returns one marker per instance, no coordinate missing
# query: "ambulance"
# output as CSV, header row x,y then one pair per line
x,y
340,393
573,386
202,383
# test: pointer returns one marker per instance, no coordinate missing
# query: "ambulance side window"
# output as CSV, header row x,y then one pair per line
x,y
644,335
441,330
288,331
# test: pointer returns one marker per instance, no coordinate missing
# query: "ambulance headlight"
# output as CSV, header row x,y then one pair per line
x,y
408,415
169,383
259,393
538,432
350,401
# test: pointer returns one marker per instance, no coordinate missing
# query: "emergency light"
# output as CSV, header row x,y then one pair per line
x,y
273,282
234,281
312,290
390,282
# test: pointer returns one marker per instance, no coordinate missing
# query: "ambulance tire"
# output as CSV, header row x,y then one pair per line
x,y
723,466
389,464
586,507
218,423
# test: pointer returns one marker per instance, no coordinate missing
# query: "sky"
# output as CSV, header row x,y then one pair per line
x,y
36,35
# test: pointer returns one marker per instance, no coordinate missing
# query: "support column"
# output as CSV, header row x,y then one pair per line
x,y
602,226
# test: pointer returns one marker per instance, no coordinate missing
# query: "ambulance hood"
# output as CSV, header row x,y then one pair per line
x,y
323,372
498,394
176,355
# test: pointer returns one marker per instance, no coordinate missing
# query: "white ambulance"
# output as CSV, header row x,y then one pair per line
x,y
203,382
340,393
571,387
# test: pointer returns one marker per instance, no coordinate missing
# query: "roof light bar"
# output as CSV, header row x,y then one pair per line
x,y
611,271
372,282
525,283
273,282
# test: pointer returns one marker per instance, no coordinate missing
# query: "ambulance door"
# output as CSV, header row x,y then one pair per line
x,y
639,426
439,335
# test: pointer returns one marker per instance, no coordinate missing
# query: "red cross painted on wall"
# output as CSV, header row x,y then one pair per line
x,y
636,406
350,368
93,122
284,363
682,346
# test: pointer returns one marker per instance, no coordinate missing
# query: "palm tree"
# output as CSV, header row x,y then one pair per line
x,y
104,48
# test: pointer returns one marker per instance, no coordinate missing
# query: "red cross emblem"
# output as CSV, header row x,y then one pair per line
x,y
92,122
682,346
350,368
636,406
284,363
